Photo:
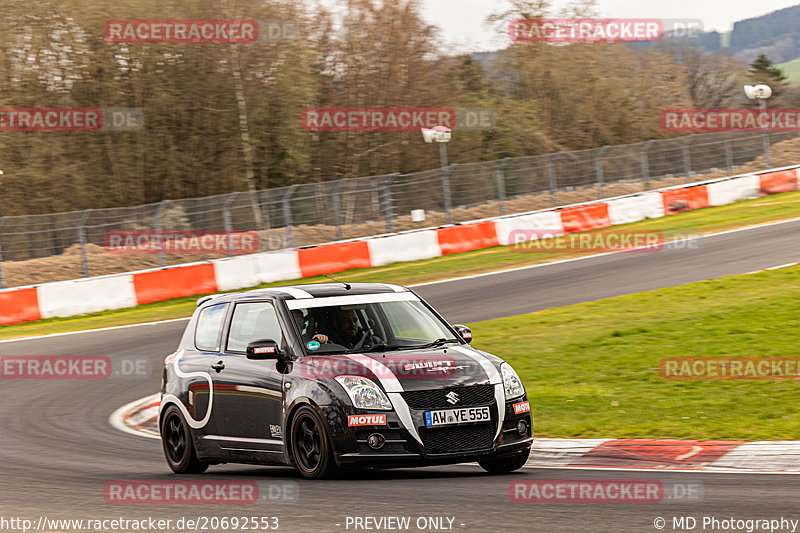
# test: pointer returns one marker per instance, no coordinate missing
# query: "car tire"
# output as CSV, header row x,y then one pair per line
x,y
504,465
310,446
178,446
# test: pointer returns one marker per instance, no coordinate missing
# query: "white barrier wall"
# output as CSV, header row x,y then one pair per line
x,y
550,220
78,297
403,247
635,208
734,190
236,272
277,266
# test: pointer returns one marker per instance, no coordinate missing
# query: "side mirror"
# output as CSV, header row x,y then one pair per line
x,y
464,331
264,349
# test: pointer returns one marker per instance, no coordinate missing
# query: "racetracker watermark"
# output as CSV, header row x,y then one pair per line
x,y
603,491
417,367
180,242
553,240
734,119
200,31
72,367
376,118
199,492
594,30
730,368
71,119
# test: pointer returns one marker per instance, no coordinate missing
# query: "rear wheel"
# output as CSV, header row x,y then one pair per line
x,y
504,465
310,446
178,446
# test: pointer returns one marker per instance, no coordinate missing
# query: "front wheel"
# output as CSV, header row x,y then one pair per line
x,y
310,446
504,465
178,445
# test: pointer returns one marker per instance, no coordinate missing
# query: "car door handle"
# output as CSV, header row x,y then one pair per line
x,y
218,366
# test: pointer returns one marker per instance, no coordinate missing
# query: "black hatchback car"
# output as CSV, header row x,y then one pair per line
x,y
329,376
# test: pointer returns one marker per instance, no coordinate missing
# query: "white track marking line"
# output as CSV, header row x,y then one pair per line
x,y
497,272
109,328
782,266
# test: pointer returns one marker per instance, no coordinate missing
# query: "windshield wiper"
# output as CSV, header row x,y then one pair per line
x,y
438,342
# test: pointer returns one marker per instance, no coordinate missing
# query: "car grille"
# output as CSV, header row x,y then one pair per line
x,y
457,439
437,398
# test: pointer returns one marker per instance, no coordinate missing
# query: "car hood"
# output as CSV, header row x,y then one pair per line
x,y
410,370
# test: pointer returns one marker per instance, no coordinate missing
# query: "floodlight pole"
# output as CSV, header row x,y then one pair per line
x,y
443,153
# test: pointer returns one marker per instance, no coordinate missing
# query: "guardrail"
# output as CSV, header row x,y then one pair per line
x,y
309,214
88,295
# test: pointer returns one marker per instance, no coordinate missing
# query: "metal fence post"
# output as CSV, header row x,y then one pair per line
x,y
553,178
501,185
337,207
687,157
646,164
728,151
448,200
157,226
287,215
2,219
765,142
388,206
598,167
82,239
226,217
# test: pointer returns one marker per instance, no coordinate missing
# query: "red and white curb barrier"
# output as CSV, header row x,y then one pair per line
x,y
667,454
141,418
75,297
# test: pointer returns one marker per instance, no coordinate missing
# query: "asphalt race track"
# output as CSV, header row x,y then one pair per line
x,y
58,449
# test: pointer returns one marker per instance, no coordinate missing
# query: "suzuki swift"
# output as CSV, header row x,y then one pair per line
x,y
325,377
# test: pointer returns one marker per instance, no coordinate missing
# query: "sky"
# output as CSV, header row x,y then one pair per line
x,y
463,28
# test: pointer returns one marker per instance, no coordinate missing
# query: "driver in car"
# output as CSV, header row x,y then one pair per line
x,y
345,329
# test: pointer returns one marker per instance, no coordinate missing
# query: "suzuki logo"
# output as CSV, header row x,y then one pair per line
x,y
452,398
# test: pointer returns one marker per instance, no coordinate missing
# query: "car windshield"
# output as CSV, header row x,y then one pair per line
x,y
372,326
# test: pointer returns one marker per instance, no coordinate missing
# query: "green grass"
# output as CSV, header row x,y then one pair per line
x,y
741,214
592,369
792,70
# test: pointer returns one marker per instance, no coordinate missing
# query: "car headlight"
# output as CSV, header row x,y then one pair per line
x,y
364,393
511,382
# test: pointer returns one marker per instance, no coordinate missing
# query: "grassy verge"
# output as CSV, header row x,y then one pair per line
x,y
741,214
592,369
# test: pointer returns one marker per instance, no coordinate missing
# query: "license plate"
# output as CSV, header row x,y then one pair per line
x,y
467,415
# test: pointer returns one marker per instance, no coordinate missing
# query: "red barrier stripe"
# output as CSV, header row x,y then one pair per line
x,y
19,306
467,237
777,182
679,200
585,217
177,282
330,258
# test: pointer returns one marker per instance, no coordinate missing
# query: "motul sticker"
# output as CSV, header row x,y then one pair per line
x,y
522,407
264,349
366,420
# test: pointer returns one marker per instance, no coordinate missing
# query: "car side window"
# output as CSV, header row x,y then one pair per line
x,y
209,325
253,321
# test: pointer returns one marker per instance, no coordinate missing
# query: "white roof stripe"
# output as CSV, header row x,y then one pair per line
x,y
297,293
353,300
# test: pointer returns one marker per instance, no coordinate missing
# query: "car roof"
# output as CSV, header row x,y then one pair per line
x,y
305,291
